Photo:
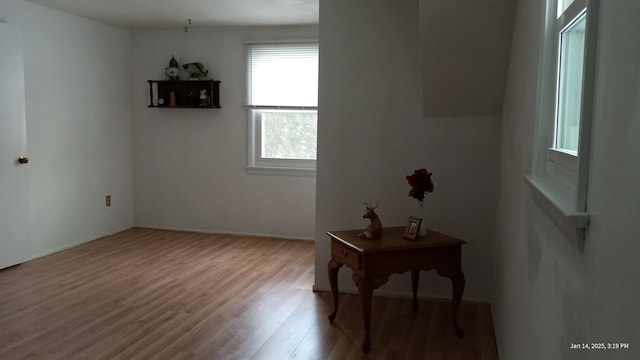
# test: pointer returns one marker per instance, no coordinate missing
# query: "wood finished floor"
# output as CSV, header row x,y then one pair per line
x,y
154,294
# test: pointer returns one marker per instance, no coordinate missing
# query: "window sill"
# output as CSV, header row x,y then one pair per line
x,y
565,159
271,170
557,205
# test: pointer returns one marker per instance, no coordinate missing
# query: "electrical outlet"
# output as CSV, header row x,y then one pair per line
x,y
108,200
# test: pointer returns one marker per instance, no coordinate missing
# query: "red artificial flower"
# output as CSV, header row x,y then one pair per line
x,y
420,183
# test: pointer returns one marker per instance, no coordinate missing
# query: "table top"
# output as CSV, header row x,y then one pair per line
x,y
392,239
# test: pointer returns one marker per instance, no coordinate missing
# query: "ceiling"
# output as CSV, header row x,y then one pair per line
x,y
154,14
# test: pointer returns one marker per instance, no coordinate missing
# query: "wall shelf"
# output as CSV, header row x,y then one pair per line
x,y
184,94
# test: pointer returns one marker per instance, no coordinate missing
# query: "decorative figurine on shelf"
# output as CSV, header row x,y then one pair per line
x,y
172,70
374,230
204,98
196,70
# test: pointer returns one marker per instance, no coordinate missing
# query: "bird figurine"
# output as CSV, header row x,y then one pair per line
x,y
196,70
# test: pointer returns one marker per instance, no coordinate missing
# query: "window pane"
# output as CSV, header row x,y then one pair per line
x,y
289,134
570,74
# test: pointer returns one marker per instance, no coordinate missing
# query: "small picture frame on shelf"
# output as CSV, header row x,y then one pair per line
x,y
412,228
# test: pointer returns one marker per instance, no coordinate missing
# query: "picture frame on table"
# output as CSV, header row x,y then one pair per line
x,y
412,228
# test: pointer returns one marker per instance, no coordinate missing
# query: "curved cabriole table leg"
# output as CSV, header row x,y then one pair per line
x,y
415,279
457,284
333,267
365,289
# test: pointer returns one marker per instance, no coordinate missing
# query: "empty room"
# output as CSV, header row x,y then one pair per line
x,y
319,179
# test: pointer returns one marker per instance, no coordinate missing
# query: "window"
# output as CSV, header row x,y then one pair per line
x,y
282,101
565,100
570,76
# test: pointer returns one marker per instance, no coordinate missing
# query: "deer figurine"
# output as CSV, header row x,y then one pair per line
x,y
374,229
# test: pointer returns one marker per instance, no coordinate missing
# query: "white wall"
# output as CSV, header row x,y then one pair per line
x,y
78,113
559,294
190,163
372,134
466,47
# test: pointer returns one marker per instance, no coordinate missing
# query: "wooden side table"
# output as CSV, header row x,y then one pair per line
x,y
372,261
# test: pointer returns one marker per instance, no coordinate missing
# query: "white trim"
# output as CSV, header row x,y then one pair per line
x,y
273,170
220,232
563,78
284,163
586,111
560,178
78,243
257,165
560,208
283,100
572,12
563,158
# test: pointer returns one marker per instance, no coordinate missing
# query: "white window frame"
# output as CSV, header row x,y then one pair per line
x,y
262,165
274,166
566,23
559,178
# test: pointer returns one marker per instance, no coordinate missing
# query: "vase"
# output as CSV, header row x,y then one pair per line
x,y
423,226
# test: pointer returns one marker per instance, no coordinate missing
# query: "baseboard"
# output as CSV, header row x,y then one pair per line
x,y
77,243
224,232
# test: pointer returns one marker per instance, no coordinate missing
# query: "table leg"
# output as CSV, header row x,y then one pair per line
x,y
365,288
333,267
415,279
457,282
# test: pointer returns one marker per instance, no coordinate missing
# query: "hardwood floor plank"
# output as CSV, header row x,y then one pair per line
x,y
146,293
287,338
